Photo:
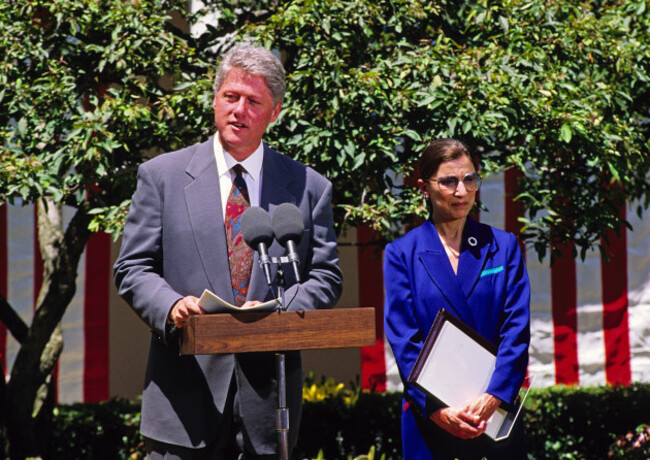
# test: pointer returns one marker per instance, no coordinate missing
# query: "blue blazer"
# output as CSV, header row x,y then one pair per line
x,y
174,245
491,293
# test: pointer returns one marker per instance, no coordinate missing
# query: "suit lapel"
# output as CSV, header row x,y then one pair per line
x,y
436,263
276,182
457,288
475,248
203,200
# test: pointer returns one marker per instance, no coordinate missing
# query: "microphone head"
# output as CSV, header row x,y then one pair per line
x,y
256,227
287,223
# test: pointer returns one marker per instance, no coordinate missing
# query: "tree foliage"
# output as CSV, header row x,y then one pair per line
x,y
556,89
88,89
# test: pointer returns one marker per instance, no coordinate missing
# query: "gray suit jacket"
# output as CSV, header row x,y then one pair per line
x,y
174,245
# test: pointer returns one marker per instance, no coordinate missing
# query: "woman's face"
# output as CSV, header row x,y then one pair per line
x,y
450,203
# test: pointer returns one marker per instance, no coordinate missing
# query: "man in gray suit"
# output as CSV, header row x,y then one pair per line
x,y
175,246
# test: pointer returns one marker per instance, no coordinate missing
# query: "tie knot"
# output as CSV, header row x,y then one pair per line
x,y
238,170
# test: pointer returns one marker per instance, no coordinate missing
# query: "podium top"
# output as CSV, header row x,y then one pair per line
x,y
278,331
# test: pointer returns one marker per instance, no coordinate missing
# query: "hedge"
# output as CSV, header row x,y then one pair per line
x,y
561,423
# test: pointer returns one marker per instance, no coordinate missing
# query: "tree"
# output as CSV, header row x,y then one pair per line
x,y
556,89
87,88
91,88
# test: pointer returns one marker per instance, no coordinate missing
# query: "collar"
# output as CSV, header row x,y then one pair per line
x,y
252,164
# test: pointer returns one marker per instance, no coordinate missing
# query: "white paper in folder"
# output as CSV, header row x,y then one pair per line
x,y
456,366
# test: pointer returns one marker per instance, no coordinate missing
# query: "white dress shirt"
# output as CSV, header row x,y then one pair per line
x,y
252,176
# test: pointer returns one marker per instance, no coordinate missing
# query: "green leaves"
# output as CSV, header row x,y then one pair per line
x,y
558,90
84,96
554,90
566,133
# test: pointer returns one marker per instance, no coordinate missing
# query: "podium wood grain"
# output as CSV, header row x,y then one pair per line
x,y
278,331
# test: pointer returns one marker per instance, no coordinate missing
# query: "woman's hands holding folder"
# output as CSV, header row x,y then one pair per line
x,y
469,422
458,422
484,406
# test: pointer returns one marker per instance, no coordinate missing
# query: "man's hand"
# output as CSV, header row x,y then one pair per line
x,y
183,309
250,303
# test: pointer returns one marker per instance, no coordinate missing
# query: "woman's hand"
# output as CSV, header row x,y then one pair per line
x,y
469,422
460,423
484,406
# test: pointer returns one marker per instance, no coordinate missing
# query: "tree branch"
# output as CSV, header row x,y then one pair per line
x,y
61,252
12,321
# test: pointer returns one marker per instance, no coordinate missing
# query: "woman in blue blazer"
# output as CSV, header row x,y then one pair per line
x,y
475,272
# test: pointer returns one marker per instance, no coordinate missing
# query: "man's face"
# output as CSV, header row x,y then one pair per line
x,y
243,108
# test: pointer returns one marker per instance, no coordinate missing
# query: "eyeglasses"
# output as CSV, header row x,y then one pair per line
x,y
471,181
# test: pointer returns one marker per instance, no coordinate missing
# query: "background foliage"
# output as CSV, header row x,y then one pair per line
x,y
569,423
85,92
88,89
561,424
556,89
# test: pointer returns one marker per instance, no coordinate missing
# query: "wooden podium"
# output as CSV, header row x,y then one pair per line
x,y
278,331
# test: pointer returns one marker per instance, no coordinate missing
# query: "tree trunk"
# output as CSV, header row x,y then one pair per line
x,y
28,387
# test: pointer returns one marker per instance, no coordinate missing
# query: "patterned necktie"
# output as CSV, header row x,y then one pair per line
x,y
240,255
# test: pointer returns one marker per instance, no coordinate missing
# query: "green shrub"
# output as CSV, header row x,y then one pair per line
x,y
562,423
591,423
342,430
634,445
580,422
108,430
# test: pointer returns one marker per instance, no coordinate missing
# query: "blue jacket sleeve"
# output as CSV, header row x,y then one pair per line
x,y
514,334
401,326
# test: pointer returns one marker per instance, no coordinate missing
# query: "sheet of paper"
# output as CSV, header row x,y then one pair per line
x,y
212,303
458,369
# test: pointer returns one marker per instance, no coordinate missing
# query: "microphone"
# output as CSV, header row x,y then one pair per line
x,y
288,228
258,234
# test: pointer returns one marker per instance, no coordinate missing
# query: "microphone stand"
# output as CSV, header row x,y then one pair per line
x,y
282,412
279,280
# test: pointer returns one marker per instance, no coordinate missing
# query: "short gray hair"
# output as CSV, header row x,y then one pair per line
x,y
254,60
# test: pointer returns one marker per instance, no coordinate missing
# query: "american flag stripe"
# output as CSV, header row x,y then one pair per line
x,y
371,294
615,309
564,305
96,318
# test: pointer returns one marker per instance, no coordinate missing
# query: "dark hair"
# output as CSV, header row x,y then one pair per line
x,y
439,152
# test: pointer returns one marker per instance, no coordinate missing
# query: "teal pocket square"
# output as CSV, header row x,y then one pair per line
x,y
492,271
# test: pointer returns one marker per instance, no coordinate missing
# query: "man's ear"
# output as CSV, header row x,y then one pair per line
x,y
276,112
